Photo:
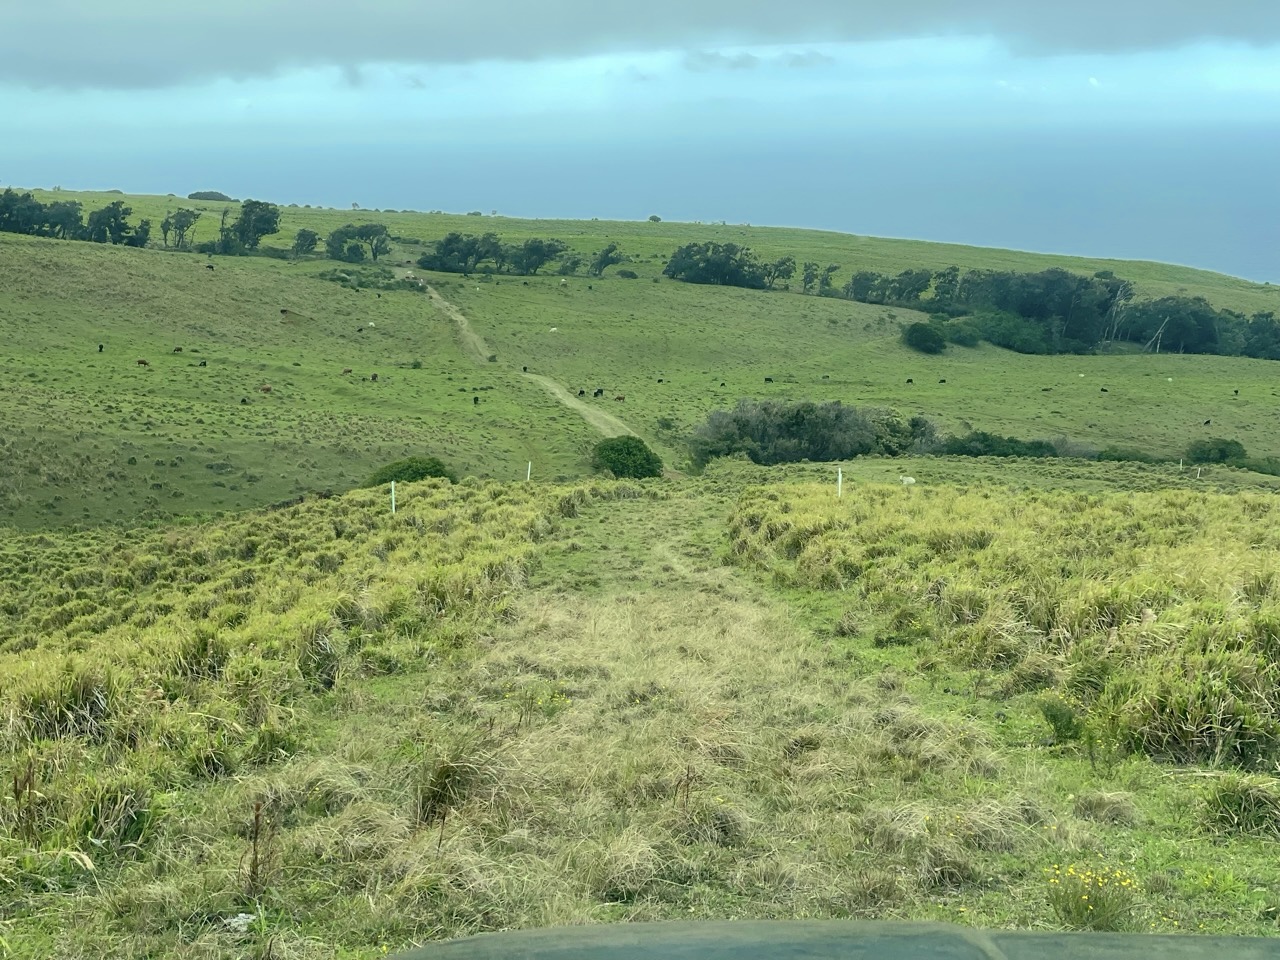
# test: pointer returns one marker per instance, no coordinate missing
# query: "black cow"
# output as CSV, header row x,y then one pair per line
x,y
243,400
524,369
1236,392
909,380
475,401
209,266
202,363
942,380
177,349
768,379
825,377
359,329
660,380
100,350
1105,390
1207,422
582,393
722,383
599,393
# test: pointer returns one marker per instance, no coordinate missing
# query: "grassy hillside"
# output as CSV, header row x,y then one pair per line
x,y
89,436
327,731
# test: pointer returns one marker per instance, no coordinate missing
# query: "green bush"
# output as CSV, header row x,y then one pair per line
x,y
1216,450
410,470
626,457
924,337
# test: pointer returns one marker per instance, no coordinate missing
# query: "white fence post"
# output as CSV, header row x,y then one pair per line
x,y
393,496
528,473
839,482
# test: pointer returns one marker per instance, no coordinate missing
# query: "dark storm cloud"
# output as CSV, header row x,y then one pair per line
x,y
155,43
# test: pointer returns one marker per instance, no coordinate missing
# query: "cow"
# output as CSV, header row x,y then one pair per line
x,y
1045,389
208,266
346,370
599,393
524,369
144,363
1105,390
943,380
825,377
582,393
243,400
475,401
1236,392
909,380
265,388
203,363
660,380
177,349
768,379
100,348
1207,422
619,398
722,383
373,377
359,329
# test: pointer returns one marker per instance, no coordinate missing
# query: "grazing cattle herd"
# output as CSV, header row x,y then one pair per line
x,y
597,393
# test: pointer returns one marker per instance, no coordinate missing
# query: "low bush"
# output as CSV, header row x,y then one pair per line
x,y
410,470
626,457
924,337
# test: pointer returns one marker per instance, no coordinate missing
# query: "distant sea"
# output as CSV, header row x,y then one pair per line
x,y
1207,198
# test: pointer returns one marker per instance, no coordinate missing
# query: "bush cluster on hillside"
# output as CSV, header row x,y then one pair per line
x,y
776,431
411,470
626,457
467,253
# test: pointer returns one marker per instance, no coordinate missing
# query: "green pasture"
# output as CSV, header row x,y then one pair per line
x,y
91,436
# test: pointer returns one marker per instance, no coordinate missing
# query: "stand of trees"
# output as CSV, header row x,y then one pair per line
x,y
727,264
65,220
467,253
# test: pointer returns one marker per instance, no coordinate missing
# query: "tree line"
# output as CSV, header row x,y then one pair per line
x,y
67,220
770,432
467,253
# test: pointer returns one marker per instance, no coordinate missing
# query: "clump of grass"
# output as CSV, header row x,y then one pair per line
x,y
447,777
1062,717
1106,807
1093,897
1236,803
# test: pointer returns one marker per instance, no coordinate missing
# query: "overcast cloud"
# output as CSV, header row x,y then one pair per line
x,y
157,43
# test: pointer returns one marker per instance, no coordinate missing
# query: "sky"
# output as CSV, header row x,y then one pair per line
x,y
1147,129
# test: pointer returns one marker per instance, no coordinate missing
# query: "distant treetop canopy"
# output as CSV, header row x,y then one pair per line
x,y
210,195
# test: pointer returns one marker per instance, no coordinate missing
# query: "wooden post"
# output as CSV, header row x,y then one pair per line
x,y
393,496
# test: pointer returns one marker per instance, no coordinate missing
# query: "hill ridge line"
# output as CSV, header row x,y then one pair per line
x,y
606,423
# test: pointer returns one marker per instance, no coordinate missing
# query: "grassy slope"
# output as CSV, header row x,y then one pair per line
x,y
603,750
75,417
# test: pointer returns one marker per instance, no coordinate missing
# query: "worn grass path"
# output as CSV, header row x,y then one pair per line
x,y
473,343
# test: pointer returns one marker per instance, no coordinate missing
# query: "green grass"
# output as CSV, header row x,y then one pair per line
x,y
91,438
322,730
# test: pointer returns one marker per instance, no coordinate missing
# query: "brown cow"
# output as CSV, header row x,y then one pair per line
x,y
177,349
265,388
619,397
144,363
346,369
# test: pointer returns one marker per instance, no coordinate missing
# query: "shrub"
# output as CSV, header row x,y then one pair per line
x,y
1086,898
1215,450
626,457
1241,804
1062,718
410,470
628,275
923,337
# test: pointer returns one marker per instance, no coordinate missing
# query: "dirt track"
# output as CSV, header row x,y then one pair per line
x,y
606,423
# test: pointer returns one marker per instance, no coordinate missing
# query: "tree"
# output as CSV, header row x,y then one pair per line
x,y
655,219
923,337
353,252
723,264
210,195
824,281
338,244
141,234
570,264
64,219
1215,450
376,238
534,254
626,457
862,286
783,269
910,285
183,224
110,224
606,258
411,470
257,219
810,276
304,242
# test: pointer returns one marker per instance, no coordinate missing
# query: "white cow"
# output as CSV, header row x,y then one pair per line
x,y
907,481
